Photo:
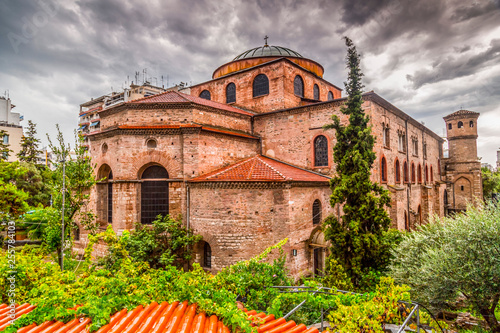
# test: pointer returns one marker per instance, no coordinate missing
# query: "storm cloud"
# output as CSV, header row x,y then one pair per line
x,y
427,57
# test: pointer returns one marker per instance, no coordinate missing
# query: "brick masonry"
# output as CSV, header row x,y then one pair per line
x,y
239,219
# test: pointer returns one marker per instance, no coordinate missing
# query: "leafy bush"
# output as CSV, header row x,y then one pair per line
x,y
102,292
454,256
166,242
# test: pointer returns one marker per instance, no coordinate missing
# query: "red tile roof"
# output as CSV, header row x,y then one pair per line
x,y
261,168
156,318
178,97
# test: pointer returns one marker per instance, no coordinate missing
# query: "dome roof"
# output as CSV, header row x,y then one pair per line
x,y
268,51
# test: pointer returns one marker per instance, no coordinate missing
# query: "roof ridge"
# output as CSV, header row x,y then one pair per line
x,y
146,97
270,166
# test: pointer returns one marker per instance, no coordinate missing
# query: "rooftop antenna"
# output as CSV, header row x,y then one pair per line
x,y
162,82
144,75
265,38
167,81
136,77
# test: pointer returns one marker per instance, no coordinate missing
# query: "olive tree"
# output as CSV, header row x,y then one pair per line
x,y
454,256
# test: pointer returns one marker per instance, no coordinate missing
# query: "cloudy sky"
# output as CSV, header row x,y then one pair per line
x,y
429,58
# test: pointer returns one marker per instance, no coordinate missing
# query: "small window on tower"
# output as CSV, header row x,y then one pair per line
x,y
449,126
461,187
471,123
460,124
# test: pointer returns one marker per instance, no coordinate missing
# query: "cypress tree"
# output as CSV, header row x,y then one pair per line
x,y
357,245
29,145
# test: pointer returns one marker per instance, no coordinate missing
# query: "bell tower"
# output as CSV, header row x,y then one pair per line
x,y
462,167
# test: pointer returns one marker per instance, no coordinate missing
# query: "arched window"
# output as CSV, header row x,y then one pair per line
x,y
205,94
104,191
407,223
383,170
230,93
413,179
110,198
426,173
460,124
449,126
77,233
320,151
260,85
330,96
471,123
405,172
298,86
316,212
207,255
445,198
154,193
432,175
419,174
397,170
419,214
316,92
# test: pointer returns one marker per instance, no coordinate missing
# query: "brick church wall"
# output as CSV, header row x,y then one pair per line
x,y
280,74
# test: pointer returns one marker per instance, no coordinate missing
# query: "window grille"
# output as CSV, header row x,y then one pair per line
x,y
383,171
260,85
320,151
398,172
205,94
316,212
316,92
110,198
207,255
154,194
231,93
298,86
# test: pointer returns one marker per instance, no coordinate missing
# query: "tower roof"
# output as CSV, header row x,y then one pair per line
x,y
462,113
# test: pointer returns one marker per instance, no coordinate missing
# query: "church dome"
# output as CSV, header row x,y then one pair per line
x,y
268,51
262,54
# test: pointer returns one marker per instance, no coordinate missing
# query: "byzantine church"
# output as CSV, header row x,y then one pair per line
x,y
244,161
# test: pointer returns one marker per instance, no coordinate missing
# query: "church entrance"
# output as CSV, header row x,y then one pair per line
x,y
319,248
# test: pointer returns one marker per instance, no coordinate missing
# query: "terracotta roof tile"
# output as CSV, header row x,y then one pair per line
x,y
261,168
461,113
178,97
158,318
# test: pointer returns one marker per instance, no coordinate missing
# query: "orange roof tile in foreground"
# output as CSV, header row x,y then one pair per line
x,y
261,168
156,318
178,97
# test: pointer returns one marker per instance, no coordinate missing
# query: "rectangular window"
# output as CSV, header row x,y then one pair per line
x,y
402,143
386,137
415,146
6,139
425,150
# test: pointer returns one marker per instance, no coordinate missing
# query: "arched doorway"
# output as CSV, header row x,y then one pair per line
x,y
154,193
318,246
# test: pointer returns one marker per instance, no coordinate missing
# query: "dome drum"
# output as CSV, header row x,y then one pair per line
x,y
260,55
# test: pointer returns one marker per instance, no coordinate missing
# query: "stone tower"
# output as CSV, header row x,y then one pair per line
x,y
462,167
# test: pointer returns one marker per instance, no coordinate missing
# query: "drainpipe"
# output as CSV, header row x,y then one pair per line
x,y
187,204
408,185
